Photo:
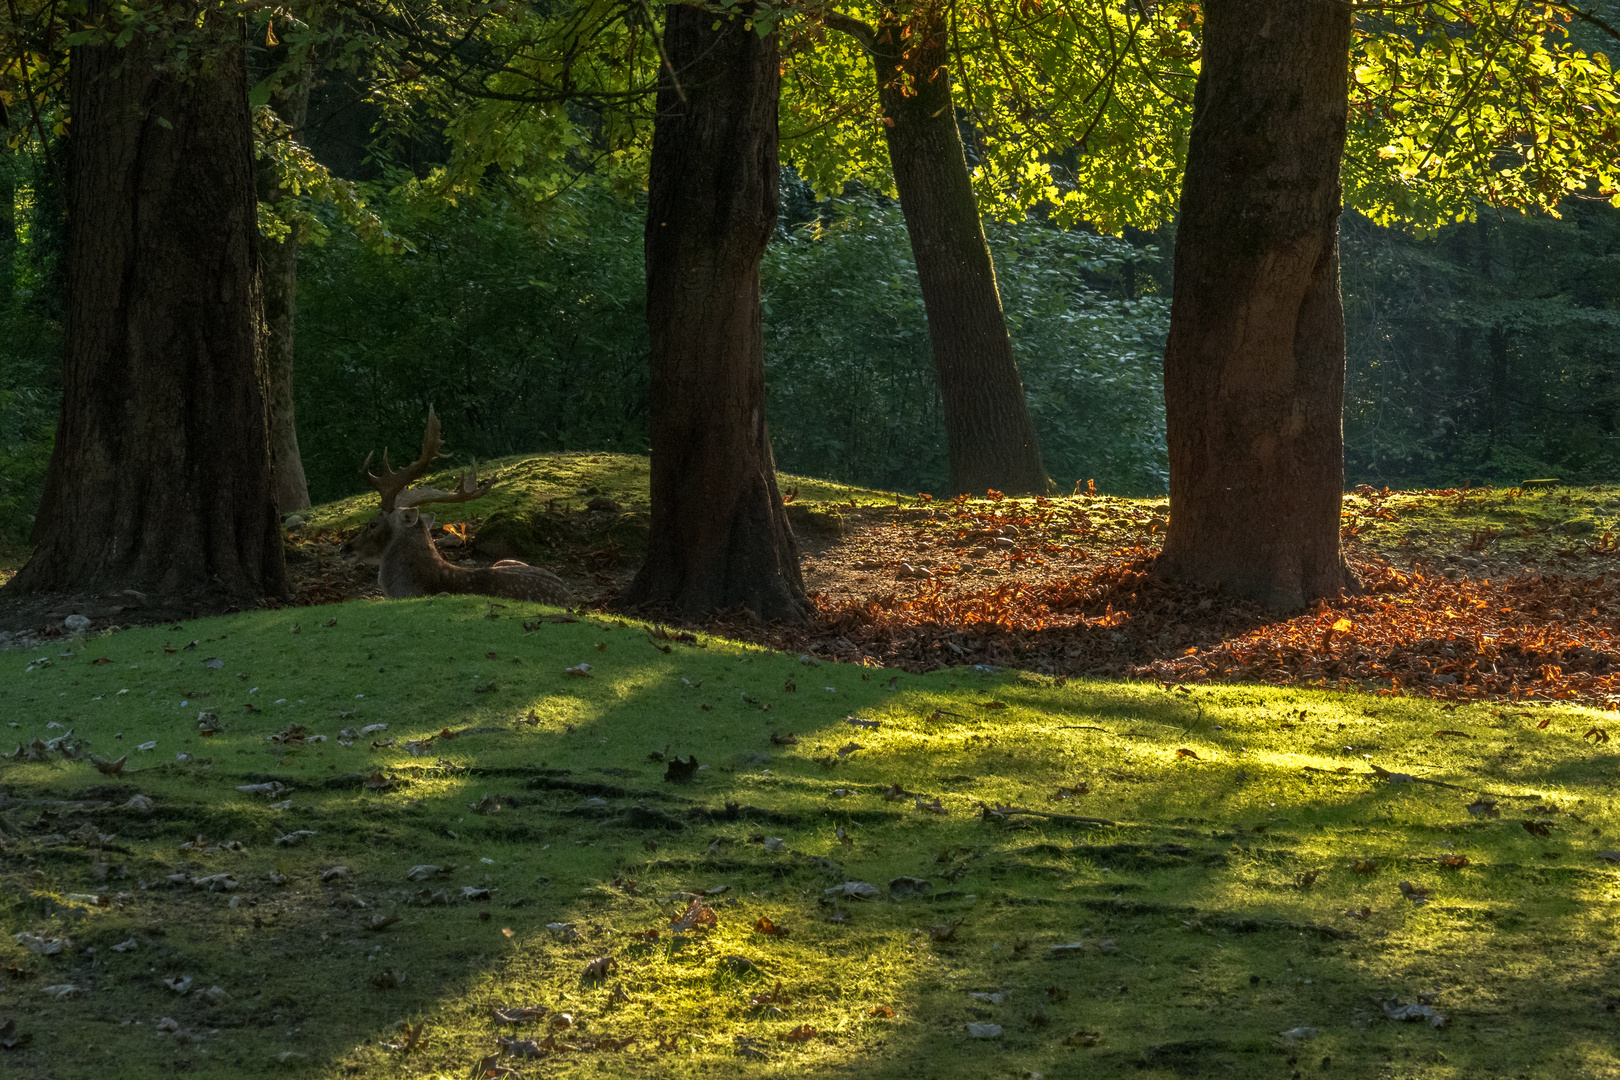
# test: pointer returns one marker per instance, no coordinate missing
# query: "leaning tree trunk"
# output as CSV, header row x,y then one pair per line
x,y
720,537
1254,365
158,492
279,261
988,432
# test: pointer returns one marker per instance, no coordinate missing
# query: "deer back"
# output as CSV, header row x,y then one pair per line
x,y
412,566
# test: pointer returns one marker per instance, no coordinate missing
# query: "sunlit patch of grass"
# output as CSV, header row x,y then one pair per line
x,y
1215,895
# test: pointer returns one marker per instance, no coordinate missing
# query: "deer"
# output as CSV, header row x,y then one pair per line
x,y
399,540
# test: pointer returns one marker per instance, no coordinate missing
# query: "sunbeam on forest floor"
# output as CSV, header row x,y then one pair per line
x,y
217,864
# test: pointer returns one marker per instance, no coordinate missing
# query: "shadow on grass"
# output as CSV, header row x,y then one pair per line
x,y
1196,942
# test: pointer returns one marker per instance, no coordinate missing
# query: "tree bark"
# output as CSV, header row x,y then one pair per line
x,y
279,263
1254,364
720,536
158,493
989,436
8,226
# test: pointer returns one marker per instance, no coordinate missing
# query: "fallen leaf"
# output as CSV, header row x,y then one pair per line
x,y
1395,1010
944,931
854,890
598,970
802,1033
386,979
768,928
1415,893
749,1048
1483,808
1537,828
413,1040
1453,862
679,772
180,984
520,1014
883,1012
10,1037
60,990
696,916
984,1031
770,997
1183,752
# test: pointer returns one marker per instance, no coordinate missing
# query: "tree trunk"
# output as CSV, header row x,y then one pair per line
x,y
158,493
1254,365
279,262
8,226
988,432
720,537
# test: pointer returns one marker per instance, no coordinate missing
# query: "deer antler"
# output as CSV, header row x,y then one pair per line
x,y
392,483
467,490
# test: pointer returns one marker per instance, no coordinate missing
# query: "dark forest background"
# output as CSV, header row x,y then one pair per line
x,y
1486,352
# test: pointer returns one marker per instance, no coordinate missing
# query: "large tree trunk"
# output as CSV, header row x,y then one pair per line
x,y
988,432
158,493
279,260
1254,365
720,536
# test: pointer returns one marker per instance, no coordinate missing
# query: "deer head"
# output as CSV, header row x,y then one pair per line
x,y
399,500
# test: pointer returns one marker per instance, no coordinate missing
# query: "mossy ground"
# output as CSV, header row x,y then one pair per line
x,y
1219,949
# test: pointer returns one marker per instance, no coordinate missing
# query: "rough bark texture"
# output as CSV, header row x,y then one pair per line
x,y
1254,365
720,537
158,493
988,432
279,261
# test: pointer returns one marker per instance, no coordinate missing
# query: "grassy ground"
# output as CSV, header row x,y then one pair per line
x,y
1198,932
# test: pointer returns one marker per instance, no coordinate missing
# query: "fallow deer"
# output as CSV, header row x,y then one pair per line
x,y
399,540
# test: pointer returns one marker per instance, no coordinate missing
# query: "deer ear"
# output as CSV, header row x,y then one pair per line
x,y
408,516
429,520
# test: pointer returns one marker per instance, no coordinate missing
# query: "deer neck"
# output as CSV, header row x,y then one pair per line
x,y
412,566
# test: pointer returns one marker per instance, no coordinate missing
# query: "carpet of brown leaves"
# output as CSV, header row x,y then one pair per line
x,y
1067,588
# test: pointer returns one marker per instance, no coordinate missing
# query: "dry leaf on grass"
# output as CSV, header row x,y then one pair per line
x,y
1415,893
802,1033
697,916
768,928
770,997
1396,1010
598,970
680,772
1483,808
414,1040
11,1038
750,1048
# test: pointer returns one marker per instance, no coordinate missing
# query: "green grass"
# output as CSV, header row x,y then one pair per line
x,y
534,506
1218,949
